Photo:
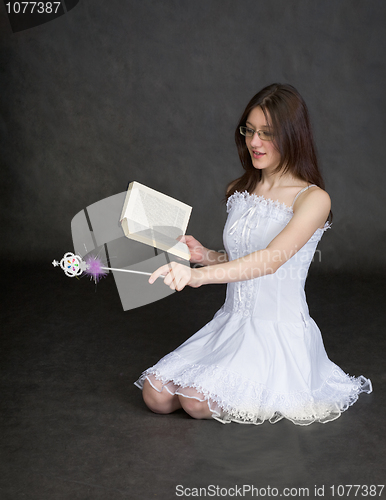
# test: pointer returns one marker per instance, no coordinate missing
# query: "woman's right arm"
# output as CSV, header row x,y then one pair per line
x,y
202,255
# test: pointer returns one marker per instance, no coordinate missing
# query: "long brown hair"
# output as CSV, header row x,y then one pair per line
x,y
287,114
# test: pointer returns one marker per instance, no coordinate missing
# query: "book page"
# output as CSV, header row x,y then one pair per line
x,y
150,208
155,218
151,212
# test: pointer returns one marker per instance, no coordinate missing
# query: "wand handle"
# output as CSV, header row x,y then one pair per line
x,y
130,271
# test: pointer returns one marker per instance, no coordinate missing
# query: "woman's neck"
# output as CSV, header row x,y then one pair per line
x,y
276,182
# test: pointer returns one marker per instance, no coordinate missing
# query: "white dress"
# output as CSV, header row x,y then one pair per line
x,y
262,356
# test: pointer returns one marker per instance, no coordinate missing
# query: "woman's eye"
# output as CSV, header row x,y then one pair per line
x,y
250,131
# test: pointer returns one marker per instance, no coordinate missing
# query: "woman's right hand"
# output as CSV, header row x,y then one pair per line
x,y
198,252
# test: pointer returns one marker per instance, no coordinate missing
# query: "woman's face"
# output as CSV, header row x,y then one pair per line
x,y
263,153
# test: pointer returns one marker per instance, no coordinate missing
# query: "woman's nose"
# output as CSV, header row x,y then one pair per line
x,y
256,141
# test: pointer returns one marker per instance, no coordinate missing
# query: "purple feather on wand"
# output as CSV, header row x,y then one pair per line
x,y
94,268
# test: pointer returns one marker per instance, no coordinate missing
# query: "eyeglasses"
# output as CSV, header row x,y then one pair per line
x,y
264,135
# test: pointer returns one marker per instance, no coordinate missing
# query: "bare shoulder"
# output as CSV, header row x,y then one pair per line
x,y
312,195
319,195
314,199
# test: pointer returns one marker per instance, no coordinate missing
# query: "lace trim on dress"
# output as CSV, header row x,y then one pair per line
x,y
265,207
232,397
319,232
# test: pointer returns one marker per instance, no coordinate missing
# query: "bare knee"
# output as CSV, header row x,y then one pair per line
x,y
153,399
194,408
159,402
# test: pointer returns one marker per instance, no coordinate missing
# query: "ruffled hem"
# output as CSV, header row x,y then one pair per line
x,y
236,399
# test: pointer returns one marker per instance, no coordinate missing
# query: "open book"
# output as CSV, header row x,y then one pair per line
x,y
155,219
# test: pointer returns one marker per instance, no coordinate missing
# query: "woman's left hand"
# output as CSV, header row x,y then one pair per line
x,y
177,276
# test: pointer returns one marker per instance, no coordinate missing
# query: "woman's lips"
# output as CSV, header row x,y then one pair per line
x,y
257,154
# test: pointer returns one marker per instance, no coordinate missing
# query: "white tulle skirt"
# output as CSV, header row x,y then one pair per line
x,y
251,370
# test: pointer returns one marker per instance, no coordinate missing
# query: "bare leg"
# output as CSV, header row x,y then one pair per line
x,y
164,402
159,402
194,408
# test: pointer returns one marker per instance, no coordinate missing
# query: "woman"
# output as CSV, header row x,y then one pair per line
x,y
262,355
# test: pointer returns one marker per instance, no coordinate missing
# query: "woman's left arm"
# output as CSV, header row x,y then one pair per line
x,y
311,213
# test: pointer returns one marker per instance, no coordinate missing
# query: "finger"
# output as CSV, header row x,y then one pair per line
x,y
157,273
185,238
176,279
180,286
171,279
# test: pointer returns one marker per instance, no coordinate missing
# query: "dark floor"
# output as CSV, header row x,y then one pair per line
x,y
73,425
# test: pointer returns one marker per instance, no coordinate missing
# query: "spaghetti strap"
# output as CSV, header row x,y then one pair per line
x,y
300,192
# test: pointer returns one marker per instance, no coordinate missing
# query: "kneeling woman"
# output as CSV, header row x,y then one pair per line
x,y
261,357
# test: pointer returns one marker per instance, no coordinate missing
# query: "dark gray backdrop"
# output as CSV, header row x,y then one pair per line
x,y
116,91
